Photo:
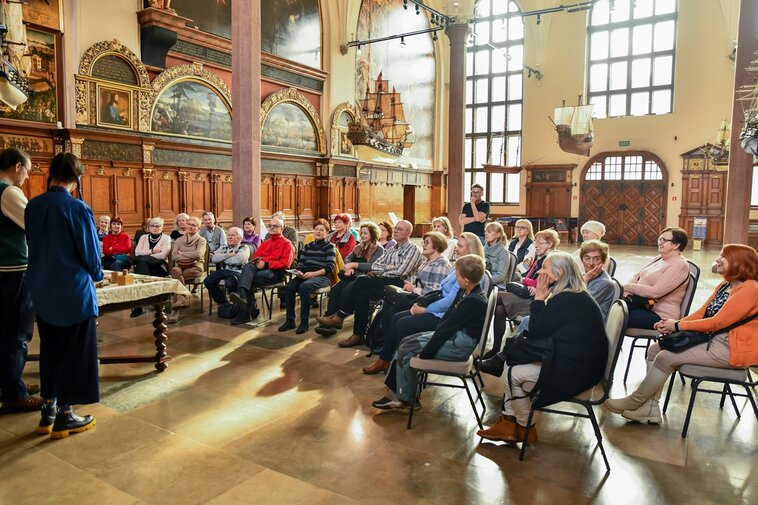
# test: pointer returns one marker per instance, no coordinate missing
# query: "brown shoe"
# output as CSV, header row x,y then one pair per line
x,y
505,430
333,321
32,389
352,341
379,366
28,404
532,433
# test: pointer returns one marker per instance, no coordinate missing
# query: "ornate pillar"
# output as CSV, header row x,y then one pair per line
x,y
148,172
740,178
246,100
457,33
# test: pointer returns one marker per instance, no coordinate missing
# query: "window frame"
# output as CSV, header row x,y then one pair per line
x,y
646,156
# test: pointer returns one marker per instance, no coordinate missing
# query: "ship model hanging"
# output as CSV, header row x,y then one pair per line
x,y
574,127
380,123
15,63
749,93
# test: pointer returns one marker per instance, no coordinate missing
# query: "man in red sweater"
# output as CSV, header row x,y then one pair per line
x,y
266,267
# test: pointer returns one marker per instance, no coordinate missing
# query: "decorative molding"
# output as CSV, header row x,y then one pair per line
x,y
127,172
294,96
82,102
215,177
147,153
196,71
166,176
199,177
36,169
147,173
100,170
227,178
184,176
112,151
116,48
322,183
283,181
266,180
336,130
305,182
75,146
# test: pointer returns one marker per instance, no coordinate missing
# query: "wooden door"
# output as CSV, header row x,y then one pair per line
x,y
409,203
548,200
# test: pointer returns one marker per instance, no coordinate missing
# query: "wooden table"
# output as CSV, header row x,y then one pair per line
x,y
146,291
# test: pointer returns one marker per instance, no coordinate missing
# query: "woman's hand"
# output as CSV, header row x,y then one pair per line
x,y
408,287
665,326
307,275
543,287
593,272
416,309
350,266
156,250
348,272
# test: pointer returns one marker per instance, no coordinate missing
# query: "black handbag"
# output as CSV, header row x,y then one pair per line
x,y
429,298
520,349
398,298
518,289
679,341
639,302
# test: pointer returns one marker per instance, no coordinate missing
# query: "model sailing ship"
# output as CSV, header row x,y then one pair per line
x,y
14,83
380,124
574,127
749,93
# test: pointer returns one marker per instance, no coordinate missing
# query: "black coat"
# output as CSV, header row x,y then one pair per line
x,y
575,323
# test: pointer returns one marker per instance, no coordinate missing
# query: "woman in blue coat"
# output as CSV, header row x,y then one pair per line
x,y
64,260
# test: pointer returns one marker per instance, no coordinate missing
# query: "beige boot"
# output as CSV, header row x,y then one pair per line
x,y
650,388
649,412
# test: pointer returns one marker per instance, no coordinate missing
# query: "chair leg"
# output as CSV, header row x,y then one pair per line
x,y
629,360
525,442
684,383
728,390
201,299
415,387
750,397
473,404
598,435
479,393
668,392
695,385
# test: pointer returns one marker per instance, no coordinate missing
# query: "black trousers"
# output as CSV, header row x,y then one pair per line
x,y
147,265
338,291
16,328
363,290
68,365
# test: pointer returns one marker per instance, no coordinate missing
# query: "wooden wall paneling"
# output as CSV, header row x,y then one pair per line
x,y
337,196
148,191
306,200
267,196
286,197
363,199
423,210
166,201
199,195
128,192
37,183
225,210
716,191
351,196
98,190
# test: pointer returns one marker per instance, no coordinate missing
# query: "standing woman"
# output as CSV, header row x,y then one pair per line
x,y
385,236
522,246
61,284
342,239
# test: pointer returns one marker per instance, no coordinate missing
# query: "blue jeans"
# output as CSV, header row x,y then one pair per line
x,y
17,316
214,278
402,325
401,381
117,263
642,318
304,287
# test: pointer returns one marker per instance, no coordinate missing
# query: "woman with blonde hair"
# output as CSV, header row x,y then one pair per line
x,y
522,245
565,313
442,224
180,226
497,258
473,243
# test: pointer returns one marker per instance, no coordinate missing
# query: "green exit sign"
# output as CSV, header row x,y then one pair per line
x,y
624,143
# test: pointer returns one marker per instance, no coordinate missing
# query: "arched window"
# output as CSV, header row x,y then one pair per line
x,y
620,167
494,91
631,57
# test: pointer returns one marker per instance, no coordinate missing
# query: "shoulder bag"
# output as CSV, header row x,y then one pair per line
x,y
679,341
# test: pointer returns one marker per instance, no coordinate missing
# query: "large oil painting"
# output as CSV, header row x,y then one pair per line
x,y
212,16
114,107
287,125
409,68
190,108
42,106
292,29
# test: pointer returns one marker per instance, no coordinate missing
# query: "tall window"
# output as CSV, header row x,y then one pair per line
x,y
617,167
631,57
494,90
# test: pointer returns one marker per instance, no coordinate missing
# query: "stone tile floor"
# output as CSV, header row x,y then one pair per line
x,y
249,415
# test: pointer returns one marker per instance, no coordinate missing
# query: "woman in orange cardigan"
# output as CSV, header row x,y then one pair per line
x,y
733,300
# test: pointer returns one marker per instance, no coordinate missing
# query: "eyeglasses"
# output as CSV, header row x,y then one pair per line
x,y
662,240
155,226
541,242
521,227
274,226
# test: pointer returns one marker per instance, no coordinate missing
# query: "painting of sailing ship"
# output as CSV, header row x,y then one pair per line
x,y
191,108
287,125
574,128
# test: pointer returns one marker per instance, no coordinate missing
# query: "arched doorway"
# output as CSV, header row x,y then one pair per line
x,y
626,191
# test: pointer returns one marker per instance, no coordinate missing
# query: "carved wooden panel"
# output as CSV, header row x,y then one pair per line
x,y
703,195
350,198
198,197
225,201
129,198
267,196
306,200
716,191
548,200
99,193
286,195
423,211
337,195
167,196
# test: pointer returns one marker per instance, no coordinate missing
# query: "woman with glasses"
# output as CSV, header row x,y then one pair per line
x,y
522,245
152,250
663,280
516,303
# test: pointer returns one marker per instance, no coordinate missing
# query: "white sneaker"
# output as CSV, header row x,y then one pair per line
x,y
181,302
649,412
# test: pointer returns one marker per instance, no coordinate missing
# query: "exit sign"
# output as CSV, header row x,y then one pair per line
x,y
624,143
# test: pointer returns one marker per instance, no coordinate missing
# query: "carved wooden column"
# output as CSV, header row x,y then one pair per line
x,y
148,172
215,180
246,99
183,190
74,146
740,178
457,33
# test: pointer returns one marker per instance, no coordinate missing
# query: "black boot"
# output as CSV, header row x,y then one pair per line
x,y
67,422
289,324
47,418
244,313
303,327
493,366
240,296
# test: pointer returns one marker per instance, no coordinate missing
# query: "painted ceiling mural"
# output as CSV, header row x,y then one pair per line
x,y
410,69
292,29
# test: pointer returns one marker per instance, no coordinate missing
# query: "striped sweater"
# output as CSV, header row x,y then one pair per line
x,y
317,255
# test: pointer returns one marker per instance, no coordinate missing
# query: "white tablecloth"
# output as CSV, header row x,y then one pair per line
x,y
144,287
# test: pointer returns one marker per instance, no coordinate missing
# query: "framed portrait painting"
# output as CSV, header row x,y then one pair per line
x,y
114,109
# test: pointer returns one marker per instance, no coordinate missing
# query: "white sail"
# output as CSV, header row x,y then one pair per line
x,y
562,115
581,122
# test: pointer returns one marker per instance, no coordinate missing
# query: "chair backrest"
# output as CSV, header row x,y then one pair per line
x,y
610,267
512,260
488,316
689,293
618,289
486,283
615,328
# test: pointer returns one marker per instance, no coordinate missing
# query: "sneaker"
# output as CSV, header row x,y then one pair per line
x,y
386,403
47,418
68,422
26,404
237,298
136,312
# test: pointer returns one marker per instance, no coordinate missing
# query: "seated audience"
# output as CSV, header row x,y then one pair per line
x,y
522,245
565,313
342,238
287,232
357,263
734,299
188,259
103,227
313,271
591,230
397,265
385,236
514,304
230,258
663,280
142,231
251,239
417,318
454,339
151,253
180,226
212,233
267,268
495,255
117,246
442,224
